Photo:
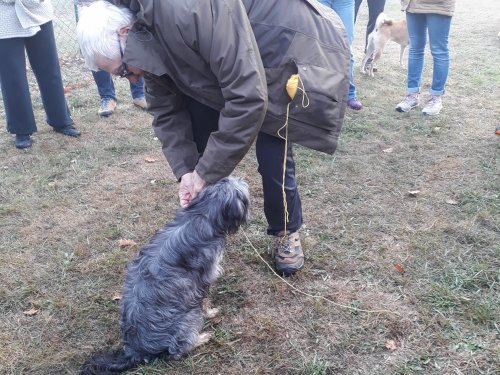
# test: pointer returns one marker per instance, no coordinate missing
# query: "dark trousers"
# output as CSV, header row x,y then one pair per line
x,y
42,55
106,87
270,151
375,7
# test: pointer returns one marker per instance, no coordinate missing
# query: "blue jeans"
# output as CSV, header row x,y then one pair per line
x,y
106,88
345,10
42,55
438,27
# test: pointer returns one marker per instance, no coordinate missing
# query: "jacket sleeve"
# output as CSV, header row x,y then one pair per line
x,y
222,34
172,125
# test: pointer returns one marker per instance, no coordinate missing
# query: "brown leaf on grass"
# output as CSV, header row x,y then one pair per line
x,y
117,296
413,193
125,243
391,345
30,312
149,159
399,267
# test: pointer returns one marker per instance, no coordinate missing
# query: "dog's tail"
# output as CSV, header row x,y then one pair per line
x,y
383,19
109,363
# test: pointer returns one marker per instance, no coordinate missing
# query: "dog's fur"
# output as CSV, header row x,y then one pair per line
x,y
161,312
385,29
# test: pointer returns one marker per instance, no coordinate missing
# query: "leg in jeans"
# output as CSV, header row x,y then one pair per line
x,y
345,10
105,84
137,89
15,89
439,30
417,32
270,151
42,54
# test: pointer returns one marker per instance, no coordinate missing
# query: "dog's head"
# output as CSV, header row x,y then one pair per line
x,y
226,203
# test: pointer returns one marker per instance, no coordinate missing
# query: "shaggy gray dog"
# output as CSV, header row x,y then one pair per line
x,y
161,312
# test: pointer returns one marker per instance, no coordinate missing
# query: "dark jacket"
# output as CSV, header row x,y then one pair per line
x,y
236,56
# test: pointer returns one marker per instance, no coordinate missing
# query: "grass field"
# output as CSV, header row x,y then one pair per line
x,y
431,261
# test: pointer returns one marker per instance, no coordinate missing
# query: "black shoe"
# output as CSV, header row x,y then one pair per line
x,y
69,130
23,141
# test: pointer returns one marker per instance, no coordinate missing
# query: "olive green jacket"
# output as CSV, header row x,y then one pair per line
x,y
444,7
236,56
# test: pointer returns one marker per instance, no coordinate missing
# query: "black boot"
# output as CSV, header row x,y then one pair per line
x,y
69,130
23,141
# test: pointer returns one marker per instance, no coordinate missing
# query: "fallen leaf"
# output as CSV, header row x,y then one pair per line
x,y
413,193
388,150
391,345
30,312
125,243
399,267
117,296
451,201
149,159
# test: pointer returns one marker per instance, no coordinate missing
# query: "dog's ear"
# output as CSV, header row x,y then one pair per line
x,y
225,203
236,212
234,202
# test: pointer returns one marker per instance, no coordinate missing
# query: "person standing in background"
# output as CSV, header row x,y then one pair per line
x,y
345,10
375,7
26,27
434,18
106,89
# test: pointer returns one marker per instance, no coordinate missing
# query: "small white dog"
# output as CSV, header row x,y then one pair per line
x,y
386,29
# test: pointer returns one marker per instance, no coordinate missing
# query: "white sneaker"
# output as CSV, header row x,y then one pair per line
x,y
433,106
409,102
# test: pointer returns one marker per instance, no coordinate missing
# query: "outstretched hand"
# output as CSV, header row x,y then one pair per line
x,y
191,184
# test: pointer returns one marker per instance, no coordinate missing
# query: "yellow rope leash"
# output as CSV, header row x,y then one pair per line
x,y
292,86
312,295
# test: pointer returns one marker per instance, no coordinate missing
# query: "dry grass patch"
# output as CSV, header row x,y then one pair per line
x,y
431,258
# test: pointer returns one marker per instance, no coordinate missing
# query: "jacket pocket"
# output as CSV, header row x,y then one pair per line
x,y
320,98
276,79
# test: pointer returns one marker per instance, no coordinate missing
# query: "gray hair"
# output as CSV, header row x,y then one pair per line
x,y
97,30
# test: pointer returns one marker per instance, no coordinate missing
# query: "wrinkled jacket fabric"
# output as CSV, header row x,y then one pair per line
x,y
444,7
236,56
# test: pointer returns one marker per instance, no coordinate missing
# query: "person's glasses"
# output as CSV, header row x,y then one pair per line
x,y
122,70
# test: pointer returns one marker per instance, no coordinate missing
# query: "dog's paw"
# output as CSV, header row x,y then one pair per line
x,y
203,338
211,313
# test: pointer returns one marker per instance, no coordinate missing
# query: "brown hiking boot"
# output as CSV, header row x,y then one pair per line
x,y
287,252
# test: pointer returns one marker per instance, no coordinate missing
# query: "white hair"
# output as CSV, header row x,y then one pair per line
x,y
97,30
